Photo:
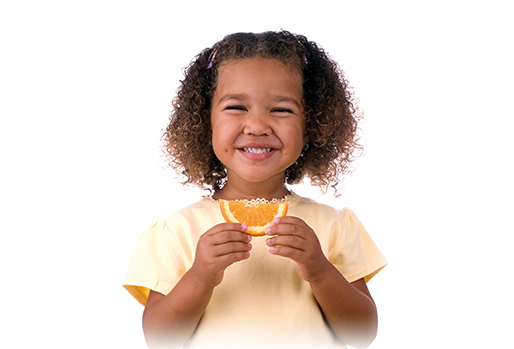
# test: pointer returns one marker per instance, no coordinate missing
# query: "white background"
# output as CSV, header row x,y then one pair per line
x,y
86,88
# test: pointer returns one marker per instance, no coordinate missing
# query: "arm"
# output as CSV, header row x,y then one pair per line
x,y
348,308
170,320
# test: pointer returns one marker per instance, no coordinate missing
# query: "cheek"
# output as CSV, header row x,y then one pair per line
x,y
305,134
297,139
216,130
216,142
221,139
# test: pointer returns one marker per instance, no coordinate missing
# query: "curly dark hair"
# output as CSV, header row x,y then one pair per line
x,y
331,111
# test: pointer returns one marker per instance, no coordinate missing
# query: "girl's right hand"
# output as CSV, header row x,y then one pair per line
x,y
219,247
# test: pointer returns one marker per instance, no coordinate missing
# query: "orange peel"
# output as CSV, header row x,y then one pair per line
x,y
256,215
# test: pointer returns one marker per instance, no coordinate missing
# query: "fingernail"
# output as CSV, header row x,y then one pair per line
x,y
267,231
244,226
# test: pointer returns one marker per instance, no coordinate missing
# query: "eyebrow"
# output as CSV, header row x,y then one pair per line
x,y
238,97
241,97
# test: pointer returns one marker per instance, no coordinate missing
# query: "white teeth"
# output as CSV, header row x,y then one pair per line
x,y
257,150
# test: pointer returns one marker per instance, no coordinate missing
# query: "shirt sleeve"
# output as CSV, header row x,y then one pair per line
x,y
355,254
157,263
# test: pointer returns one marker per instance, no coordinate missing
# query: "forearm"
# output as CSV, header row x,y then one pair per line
x,y
172,319
351,314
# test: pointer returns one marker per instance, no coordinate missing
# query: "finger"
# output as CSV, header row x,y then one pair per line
x,y
285,251
290,220
231,258
219,228
287,229
230,236
296,242
224,232
232,247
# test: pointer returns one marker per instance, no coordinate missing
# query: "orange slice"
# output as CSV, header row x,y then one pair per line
x,y
257,216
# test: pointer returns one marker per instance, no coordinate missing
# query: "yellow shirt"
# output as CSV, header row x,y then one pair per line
x,y
262,302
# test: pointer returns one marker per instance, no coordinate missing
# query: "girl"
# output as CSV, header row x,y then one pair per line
x,y
254,113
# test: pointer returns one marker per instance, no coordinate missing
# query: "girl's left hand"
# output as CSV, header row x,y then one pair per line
x,y
293,238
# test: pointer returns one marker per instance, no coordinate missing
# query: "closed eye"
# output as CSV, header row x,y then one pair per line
x,y
282,110
235,107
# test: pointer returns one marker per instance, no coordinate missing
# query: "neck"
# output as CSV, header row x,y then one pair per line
x,y
259,191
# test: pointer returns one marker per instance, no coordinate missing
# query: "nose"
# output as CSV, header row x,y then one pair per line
x,y
257,124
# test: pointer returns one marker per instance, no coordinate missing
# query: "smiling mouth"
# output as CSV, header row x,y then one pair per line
x,y
257,150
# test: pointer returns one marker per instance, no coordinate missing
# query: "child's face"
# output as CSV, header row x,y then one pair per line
x,y
257,120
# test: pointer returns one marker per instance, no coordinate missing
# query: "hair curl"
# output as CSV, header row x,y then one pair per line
x,y
331,111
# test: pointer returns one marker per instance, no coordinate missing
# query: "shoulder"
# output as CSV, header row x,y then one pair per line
x,y
331,224
201,207
182,223
195,218
308,207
